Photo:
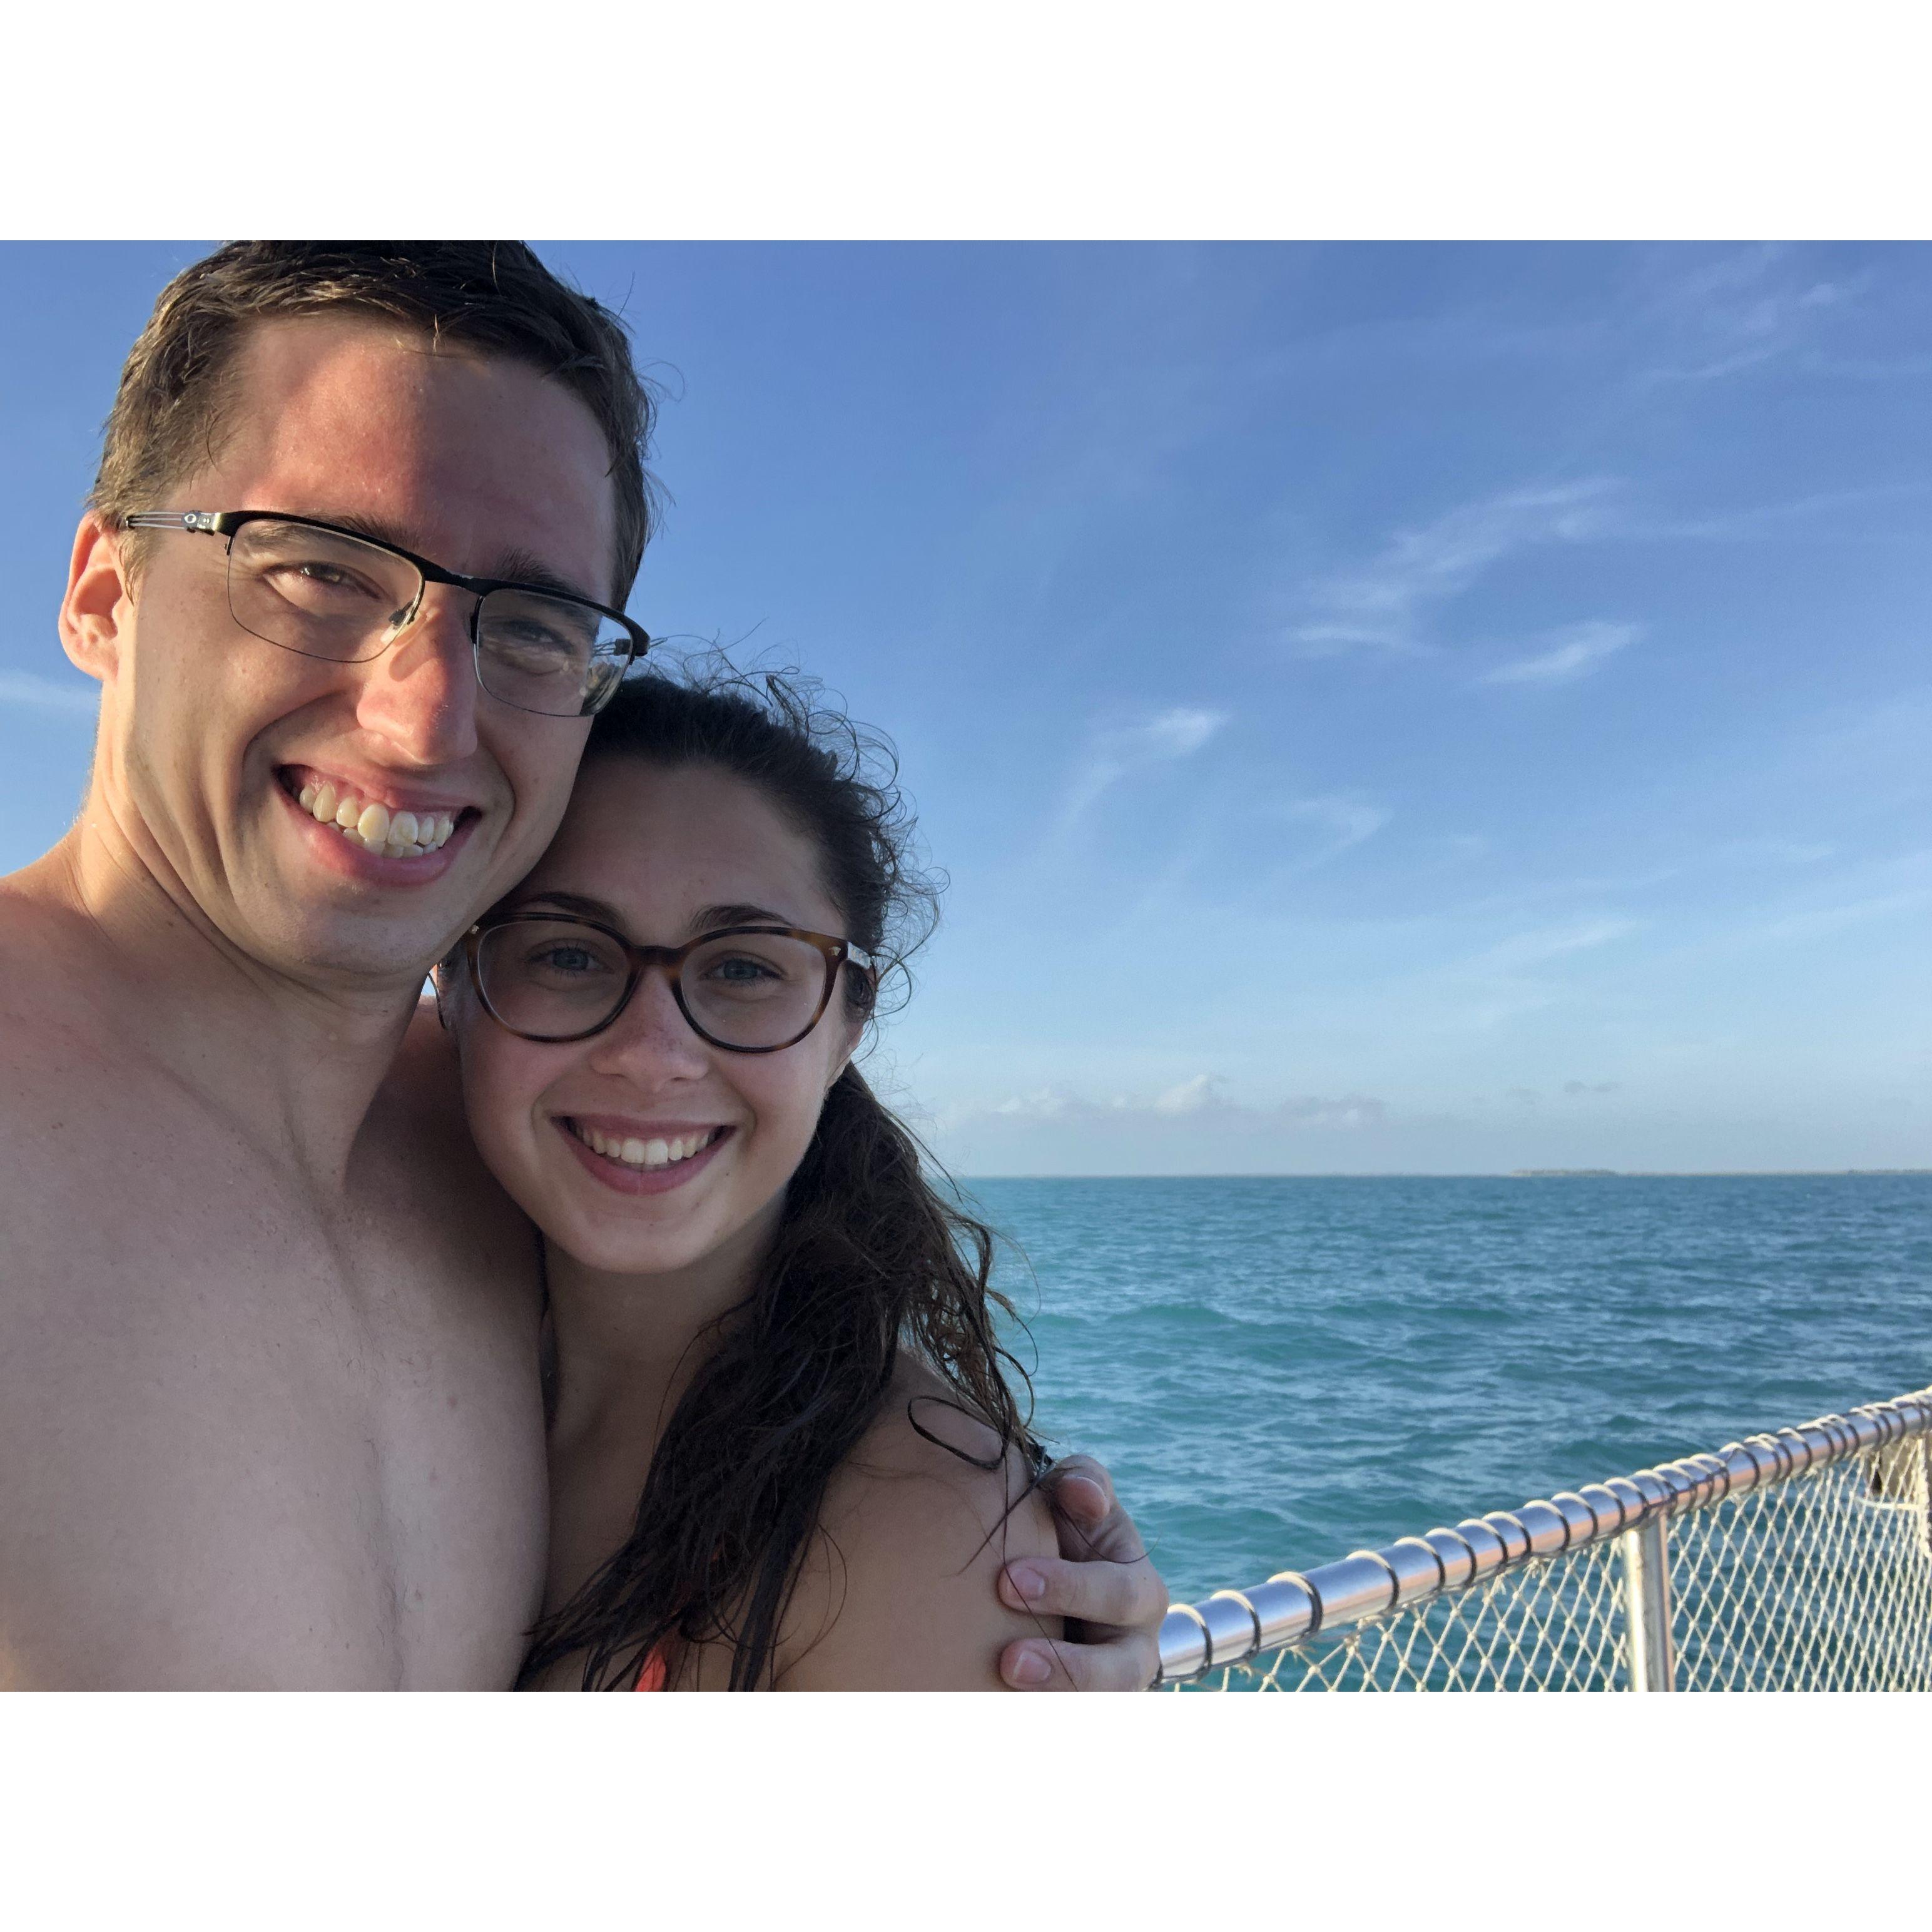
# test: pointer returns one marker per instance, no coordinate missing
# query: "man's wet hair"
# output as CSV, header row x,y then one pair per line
x,y
491,297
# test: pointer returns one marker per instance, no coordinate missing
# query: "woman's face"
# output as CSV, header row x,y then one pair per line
x,y
662,855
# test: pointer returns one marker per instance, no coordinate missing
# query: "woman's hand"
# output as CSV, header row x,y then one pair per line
x,y
1103,1580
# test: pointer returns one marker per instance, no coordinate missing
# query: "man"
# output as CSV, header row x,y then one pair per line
x,y
269,1403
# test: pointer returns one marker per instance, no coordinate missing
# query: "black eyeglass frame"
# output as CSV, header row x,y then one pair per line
x,y
837,952
227,523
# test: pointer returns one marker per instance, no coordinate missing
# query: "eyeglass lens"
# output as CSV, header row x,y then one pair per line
x,y
559,980
331,596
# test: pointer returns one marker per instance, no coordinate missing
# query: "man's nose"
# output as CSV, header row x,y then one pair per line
x,y
420,693
650,1036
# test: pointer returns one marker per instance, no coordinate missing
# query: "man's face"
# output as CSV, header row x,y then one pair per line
x,y
212,735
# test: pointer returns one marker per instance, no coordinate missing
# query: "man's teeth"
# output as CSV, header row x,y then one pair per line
x,y
401,834
635,1153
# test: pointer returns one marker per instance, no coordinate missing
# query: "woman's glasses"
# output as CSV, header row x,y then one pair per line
x,y
747,989
326,592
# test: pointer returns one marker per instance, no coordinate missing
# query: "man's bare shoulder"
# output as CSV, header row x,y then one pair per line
x,y
64,1048
899,1590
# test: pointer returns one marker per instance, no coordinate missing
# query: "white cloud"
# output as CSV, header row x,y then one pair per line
x,y
1741,310
1573,652
1554,942
1119,752
31,692
1196,1098
1382,606
1190,1096
1350,1110
1347,820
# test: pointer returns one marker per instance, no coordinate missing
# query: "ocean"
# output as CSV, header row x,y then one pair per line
x,y
1279,1371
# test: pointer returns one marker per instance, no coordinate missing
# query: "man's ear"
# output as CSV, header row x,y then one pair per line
x,y
94,613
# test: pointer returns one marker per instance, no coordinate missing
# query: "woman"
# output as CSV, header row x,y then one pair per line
x,y
784,1451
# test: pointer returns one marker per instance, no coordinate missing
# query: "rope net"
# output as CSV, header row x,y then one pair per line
x,y
1820,1582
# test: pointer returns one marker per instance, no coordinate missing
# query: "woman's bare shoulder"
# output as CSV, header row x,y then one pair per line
x,y
897,1589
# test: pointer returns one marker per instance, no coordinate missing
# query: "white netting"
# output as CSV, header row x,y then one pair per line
x,y
1822,1581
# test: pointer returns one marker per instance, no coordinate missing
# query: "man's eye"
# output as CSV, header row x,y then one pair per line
x,y
328,576
533,650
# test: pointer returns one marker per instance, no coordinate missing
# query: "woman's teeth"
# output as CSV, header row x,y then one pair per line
x,y
635,1153
399,834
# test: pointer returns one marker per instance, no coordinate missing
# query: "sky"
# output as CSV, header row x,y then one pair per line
x,y
1382,708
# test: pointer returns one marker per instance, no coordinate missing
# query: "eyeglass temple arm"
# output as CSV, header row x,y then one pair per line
x,y
207,522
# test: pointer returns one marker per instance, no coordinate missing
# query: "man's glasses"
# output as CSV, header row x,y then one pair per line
x,y
326,592
747,989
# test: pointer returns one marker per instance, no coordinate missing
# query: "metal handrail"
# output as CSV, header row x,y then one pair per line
x,y
1293,1606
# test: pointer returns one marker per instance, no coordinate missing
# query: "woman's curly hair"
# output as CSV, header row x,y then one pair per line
x,y
871,1258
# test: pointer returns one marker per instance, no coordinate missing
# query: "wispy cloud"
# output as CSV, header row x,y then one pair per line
x,y
1199,1099
1742,310
1341,821
1383,605
28,690
1348,820
1572,652
1537,948
1119,752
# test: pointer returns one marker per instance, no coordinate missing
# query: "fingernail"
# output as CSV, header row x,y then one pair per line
x,y
1028,1582
1029,1667
1085,1494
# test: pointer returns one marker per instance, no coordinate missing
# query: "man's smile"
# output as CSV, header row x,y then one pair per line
x,y
388,826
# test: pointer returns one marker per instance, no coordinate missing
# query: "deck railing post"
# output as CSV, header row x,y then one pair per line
x,y
1647,1649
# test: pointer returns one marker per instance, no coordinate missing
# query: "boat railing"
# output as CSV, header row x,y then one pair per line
x,y
1797,1560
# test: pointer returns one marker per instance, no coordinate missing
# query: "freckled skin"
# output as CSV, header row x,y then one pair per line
x,y
897,1591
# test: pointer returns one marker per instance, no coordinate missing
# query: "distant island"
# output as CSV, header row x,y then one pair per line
x,y
1710,1174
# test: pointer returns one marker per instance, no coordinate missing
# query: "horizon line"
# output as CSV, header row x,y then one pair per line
x,y
1510,1174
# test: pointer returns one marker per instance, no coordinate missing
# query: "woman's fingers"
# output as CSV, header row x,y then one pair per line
x,y
1118,1596
1102,1583
1125,1662
1085,1505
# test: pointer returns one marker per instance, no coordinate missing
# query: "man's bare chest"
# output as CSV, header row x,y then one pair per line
x,y
252,1438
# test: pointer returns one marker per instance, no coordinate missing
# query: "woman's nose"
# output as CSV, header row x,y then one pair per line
x,y
652,1026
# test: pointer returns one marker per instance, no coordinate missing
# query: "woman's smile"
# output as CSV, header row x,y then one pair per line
x,y
637,1158
583,1131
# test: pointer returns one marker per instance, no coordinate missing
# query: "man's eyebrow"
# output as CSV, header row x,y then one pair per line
x,y
523,566
377,529
514,565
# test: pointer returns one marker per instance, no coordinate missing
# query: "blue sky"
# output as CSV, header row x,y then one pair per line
x,y
1420,708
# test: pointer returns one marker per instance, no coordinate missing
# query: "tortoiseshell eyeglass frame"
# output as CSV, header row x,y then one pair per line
x,y
837,952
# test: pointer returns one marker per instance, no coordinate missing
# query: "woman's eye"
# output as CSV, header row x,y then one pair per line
x,y
567,959
741,970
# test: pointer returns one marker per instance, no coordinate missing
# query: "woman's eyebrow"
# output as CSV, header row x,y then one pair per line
x,y
573,902
707,918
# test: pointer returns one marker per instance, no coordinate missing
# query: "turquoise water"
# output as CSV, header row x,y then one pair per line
x,y
1279,1371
